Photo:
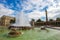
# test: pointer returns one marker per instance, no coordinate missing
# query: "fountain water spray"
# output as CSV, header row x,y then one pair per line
x,y
21,20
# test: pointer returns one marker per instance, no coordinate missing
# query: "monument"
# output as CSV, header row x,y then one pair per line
x,y
22,21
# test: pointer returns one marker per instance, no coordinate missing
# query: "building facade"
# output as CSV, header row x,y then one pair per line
x,y
5,20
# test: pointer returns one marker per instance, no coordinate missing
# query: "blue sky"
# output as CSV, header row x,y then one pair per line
x,y
33,8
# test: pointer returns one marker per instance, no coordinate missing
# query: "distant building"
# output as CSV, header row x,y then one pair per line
x,y
5,20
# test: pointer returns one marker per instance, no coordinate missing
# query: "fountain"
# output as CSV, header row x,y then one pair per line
x,y
22,21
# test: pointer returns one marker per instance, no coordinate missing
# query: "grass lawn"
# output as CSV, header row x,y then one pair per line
x,y
33,35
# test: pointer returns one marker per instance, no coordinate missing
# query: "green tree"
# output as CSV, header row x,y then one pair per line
x,y
50,19
32,20
58,23
39,20
12,21
57,19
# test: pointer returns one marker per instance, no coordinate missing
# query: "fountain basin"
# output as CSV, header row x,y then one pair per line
x,y
21,27
22,22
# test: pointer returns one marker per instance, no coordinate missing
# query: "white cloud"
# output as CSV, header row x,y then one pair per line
x,y
5,11
39,4
36,14
53,12
53,8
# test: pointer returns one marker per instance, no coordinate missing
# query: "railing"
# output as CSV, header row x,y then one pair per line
x,y
54,23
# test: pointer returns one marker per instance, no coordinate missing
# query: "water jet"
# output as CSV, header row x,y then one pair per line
x,y
22,21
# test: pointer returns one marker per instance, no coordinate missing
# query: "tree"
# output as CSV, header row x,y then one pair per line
x,y
58,23
32,23
51,20
57,19
12,21
39,20
32,20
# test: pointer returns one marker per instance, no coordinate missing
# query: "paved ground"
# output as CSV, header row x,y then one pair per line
x,y
58,28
